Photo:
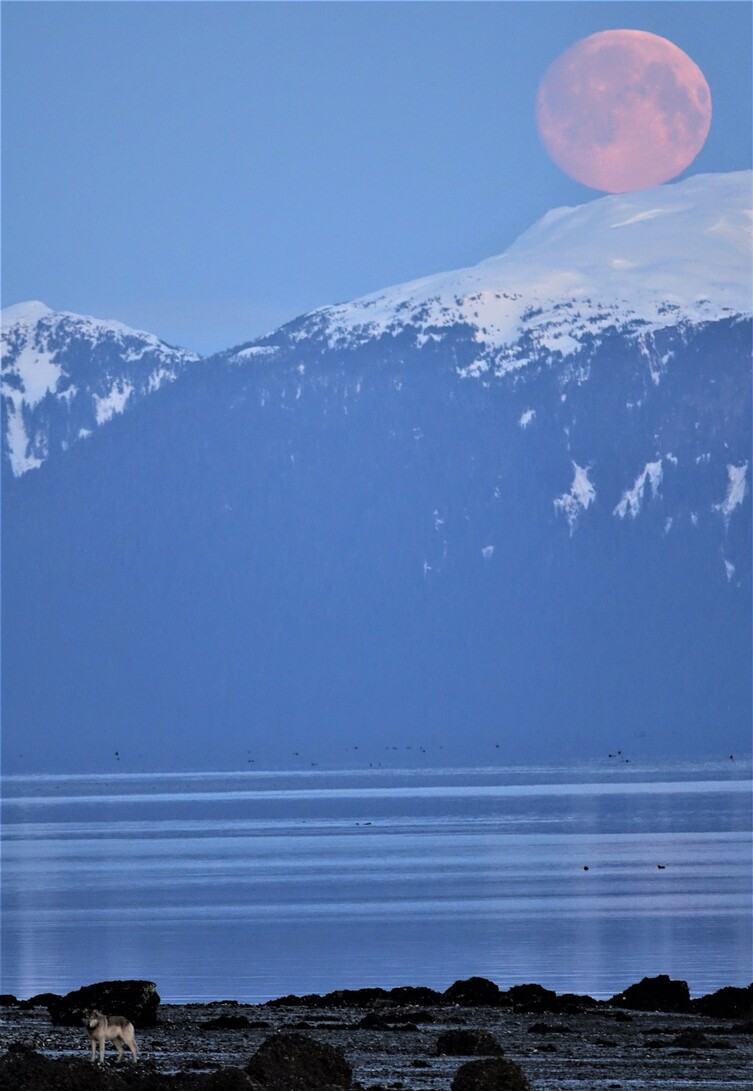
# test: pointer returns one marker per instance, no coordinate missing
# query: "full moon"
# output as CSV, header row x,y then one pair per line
x,y
623,110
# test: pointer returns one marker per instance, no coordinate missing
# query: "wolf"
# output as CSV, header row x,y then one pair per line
x,y
112,1028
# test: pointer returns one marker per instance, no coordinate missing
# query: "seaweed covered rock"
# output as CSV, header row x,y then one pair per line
x,y
473,992
136,1000
496,1074
660,993
468,1043
296,1062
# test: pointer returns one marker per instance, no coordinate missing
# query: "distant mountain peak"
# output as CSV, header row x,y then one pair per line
x,y
30,311
64,374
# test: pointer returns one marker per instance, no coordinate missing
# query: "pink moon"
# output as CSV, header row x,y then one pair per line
x,y
623,110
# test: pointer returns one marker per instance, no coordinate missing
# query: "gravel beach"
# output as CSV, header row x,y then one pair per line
x,y
400,1040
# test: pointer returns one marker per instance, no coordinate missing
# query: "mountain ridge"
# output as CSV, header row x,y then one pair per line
x,y
307,548
684,258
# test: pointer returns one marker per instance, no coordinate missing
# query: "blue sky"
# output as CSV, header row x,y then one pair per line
x,y
208,170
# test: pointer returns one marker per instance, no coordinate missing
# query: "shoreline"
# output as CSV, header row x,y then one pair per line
x,y
392,1039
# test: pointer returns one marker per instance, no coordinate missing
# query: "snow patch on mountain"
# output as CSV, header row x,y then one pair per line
x,y
580,497
638,262
631,501
115,402
736,490
39,375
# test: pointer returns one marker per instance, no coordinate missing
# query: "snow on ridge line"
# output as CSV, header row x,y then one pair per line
x,y
33,311
42,351
30,311
651,259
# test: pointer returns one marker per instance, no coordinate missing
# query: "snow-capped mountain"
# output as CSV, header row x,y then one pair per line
x,y
505,511
643,275
639,262
65,374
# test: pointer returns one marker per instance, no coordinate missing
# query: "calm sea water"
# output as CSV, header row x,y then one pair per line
x,y
252,885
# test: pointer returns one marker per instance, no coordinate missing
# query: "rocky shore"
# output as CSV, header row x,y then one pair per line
x,y
472,1037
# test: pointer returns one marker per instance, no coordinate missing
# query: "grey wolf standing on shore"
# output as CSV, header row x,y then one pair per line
x,y
113,1028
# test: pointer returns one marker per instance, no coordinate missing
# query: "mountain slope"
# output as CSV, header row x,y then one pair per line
x,y
319,541
66,374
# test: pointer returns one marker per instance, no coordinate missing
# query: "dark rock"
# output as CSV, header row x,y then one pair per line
x,y
498,1074
296,1062
224,1079
468,1043
548,1028
7,1000
25,1070
622,1017
354,998
654,994
473,992
41,1000
728,1003
411,1016
409,994
419,1062
136,1000
373,1020
309,1000
530,998
692,1038
389,1020
227,1022
574,1003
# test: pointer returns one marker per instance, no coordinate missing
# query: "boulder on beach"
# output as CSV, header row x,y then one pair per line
x,y
136,1000
530,998
23,1069
654,994
727,1003
574,1003
468,1043
297,1062
228,1022
473,992
496,1074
